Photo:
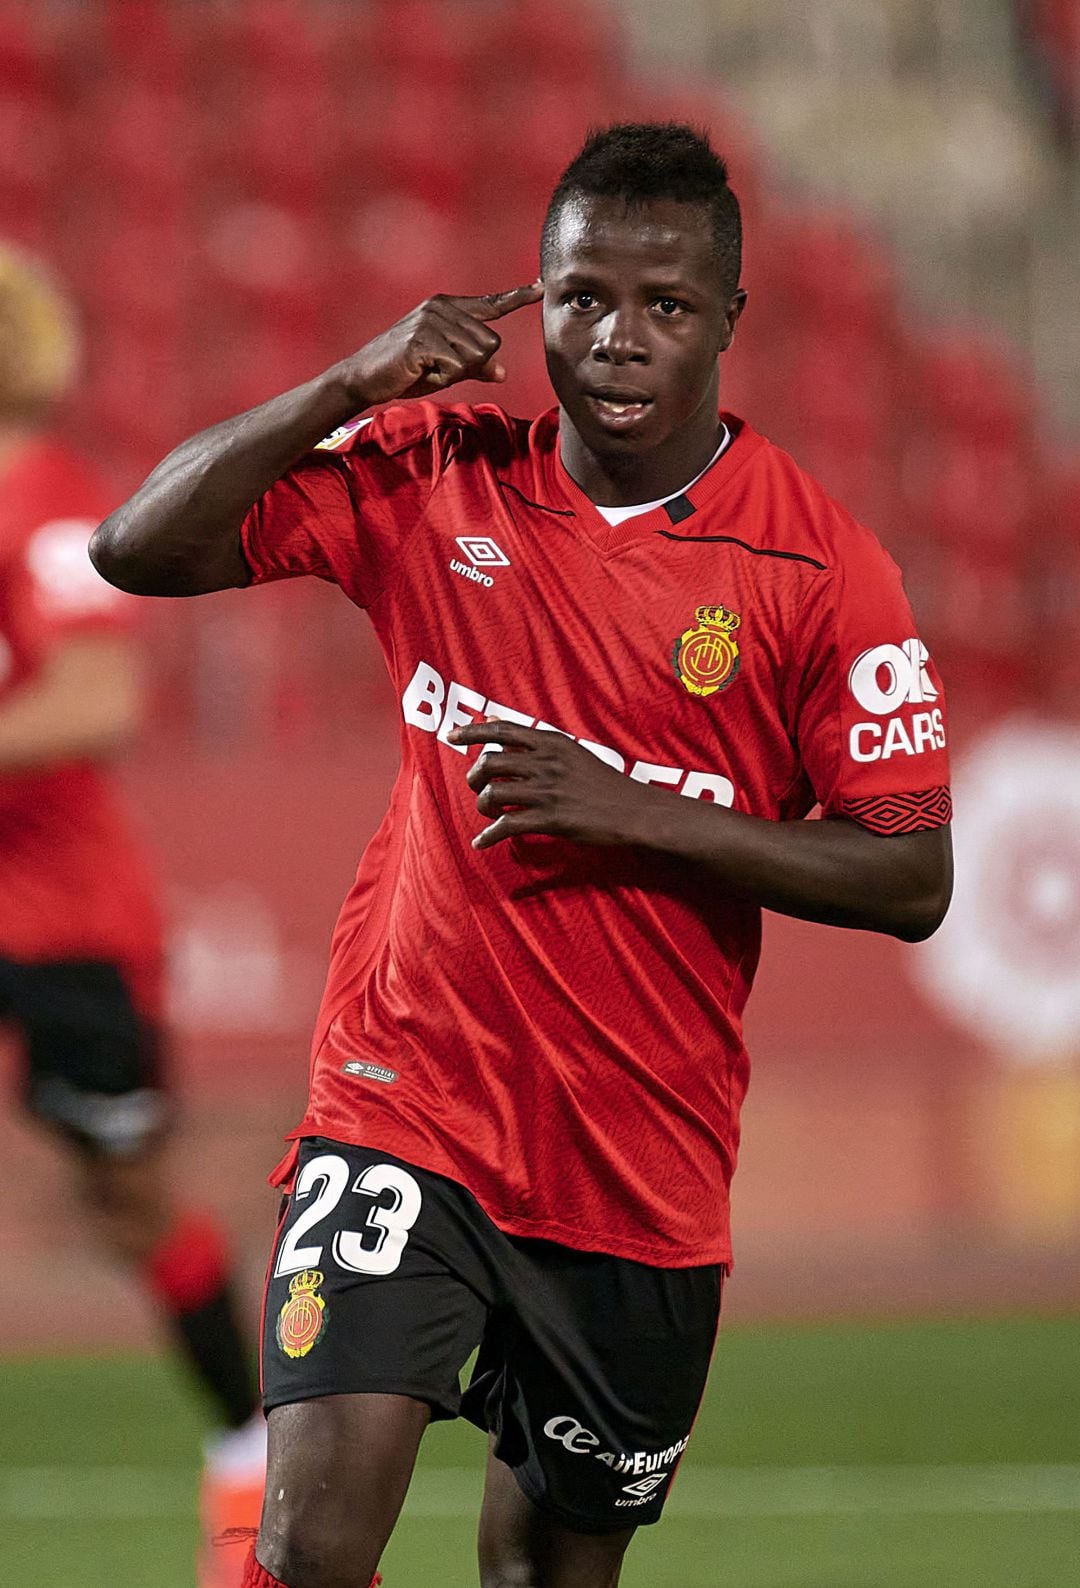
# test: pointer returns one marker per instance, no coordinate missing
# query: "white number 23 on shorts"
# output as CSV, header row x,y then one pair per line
x,y
377,1246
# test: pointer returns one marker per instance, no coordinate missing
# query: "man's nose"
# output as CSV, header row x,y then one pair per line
x,y
618,340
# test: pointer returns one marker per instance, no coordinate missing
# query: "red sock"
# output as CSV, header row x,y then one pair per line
x,y
256,1576
189,1265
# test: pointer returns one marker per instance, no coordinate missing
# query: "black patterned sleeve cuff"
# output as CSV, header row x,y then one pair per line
x,y
901,813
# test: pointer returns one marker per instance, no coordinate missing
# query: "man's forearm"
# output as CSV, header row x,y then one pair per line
x,y
835,872
180,532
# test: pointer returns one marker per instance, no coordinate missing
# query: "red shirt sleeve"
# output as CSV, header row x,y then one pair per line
x,y
870,717
343,512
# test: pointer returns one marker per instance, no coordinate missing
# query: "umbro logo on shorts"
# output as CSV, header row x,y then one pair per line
x,y
644,1486
482,553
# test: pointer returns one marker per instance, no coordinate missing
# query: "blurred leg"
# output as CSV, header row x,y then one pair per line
x,y
180,1256
521,1547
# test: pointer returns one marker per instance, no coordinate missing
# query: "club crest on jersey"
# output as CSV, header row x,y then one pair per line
x,y
706,658
302,1319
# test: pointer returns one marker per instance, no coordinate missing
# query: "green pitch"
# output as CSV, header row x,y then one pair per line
x,y
901,1456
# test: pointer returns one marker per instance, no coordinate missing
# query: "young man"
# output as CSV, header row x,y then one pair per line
x,y
80,934
634,645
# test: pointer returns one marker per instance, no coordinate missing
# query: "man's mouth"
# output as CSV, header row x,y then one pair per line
x,y
619,407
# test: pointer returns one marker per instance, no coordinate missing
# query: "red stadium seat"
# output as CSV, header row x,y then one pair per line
x,y
423,43
268,40
574,47
244,151
24,67
237,364
142,151
415,136
975,388
143,41
30,162
263,260
134,393
133,277
823,266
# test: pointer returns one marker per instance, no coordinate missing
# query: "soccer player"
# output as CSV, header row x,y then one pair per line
x,y
634,646
80,935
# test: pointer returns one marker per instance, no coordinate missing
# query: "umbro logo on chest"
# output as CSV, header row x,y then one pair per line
x,y
482,553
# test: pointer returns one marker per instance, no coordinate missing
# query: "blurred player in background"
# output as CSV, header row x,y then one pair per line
x,y
80,935
666,644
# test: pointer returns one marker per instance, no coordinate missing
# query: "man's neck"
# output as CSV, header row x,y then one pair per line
x,y
624,479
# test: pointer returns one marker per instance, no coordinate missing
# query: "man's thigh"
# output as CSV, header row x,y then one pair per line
x,y
337,1472
375,1284
591,1382
375,1298
520,1544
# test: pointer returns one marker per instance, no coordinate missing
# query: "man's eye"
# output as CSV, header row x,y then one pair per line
x,y
669,306
582,300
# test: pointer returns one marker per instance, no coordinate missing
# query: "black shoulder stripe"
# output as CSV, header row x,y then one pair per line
x,y
541,507
756,551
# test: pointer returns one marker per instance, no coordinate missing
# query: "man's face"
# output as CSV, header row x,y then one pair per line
x,y
634,318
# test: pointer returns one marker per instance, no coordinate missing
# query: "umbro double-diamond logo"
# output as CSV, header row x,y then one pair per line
x,y
482,553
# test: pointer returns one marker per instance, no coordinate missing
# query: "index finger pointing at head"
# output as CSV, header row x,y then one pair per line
x,y
495,304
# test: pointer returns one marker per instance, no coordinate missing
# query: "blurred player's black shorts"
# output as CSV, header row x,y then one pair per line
x,y
384,1278
93,1063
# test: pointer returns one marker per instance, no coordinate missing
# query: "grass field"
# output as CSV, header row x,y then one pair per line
x,y
941,1455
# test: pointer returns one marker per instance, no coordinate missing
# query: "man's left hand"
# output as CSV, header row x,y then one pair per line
x,y
540,781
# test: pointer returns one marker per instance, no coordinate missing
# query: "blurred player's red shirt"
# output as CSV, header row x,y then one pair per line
x,y
555,1026
73,883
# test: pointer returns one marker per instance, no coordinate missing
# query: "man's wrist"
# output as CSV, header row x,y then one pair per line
x,y
342,392
649,819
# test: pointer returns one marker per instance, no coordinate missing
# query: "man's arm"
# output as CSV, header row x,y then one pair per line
x,y
831,871
83,705
179,534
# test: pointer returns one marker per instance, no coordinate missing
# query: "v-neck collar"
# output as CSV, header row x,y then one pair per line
x,y
679,510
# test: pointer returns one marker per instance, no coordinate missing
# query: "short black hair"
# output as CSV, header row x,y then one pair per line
x,y
641,160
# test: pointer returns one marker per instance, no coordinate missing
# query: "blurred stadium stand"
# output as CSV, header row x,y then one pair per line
x,y
239,191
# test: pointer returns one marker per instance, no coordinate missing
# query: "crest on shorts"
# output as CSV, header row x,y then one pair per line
x,y
302,1319
706,657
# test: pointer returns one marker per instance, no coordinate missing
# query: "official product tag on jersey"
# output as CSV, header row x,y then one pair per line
x,y
368,1071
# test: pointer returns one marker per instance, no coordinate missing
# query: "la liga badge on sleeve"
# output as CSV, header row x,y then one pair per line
x,y
706,658
302,1319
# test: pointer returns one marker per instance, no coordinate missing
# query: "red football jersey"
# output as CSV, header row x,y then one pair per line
x,y
558,1026
73,882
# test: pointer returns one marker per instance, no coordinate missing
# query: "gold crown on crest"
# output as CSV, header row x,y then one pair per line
x,y
306,1282
718,618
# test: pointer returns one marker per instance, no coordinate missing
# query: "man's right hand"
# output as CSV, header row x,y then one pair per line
x,y
180,532
443,341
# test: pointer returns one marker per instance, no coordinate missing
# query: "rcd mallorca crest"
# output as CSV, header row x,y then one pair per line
x,y
706,658
303,1317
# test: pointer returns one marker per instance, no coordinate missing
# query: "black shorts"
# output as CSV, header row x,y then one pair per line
x,y
93,1063
384,1278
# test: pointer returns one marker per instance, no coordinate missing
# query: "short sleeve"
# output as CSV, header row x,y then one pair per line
x,y
67,592
870,715
343,512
